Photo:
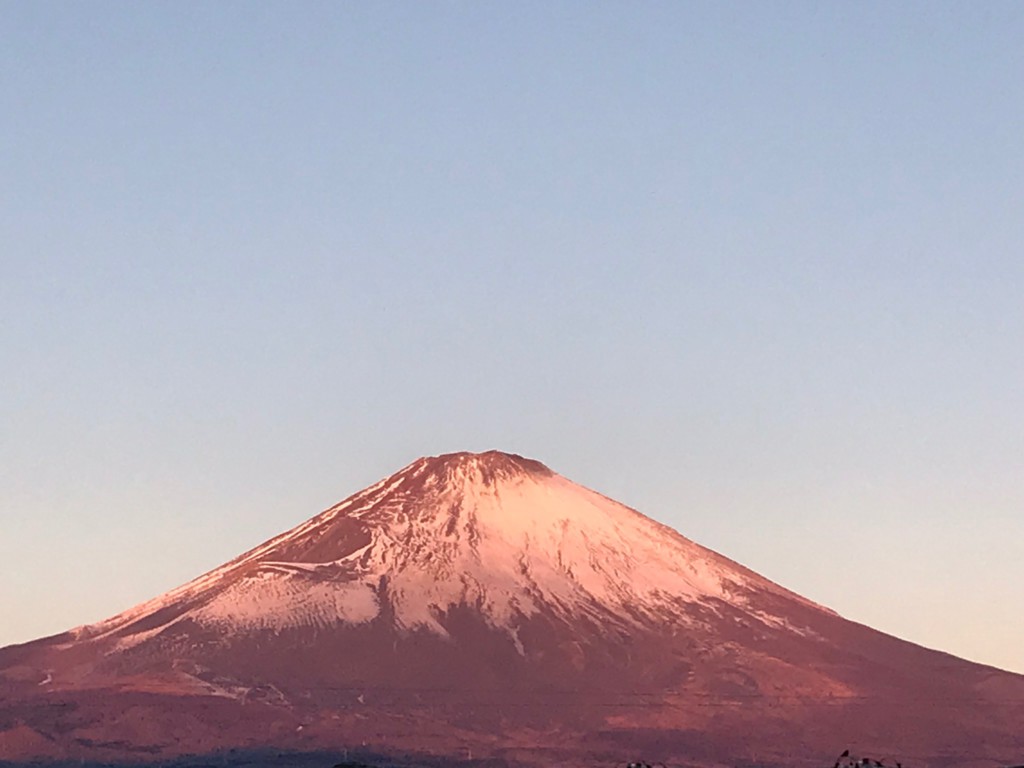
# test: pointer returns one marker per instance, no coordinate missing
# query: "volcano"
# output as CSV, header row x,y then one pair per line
x,y
482,606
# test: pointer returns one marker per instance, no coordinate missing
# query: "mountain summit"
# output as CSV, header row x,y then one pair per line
x,y
484,602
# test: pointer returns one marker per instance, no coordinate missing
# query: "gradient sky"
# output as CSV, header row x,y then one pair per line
x,y
756,270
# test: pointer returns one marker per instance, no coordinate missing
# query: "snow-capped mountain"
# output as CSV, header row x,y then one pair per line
x,y
482,601
498,532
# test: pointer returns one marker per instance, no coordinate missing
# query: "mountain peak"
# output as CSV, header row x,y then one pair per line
x,y
487,467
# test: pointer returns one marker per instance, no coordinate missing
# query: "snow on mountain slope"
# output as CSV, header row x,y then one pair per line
x,y
495,531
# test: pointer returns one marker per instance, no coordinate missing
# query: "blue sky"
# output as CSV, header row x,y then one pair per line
x,y
755,270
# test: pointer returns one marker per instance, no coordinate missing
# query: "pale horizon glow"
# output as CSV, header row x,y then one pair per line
x,y
754,271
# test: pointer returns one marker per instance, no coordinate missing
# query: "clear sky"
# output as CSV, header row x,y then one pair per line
x,y
754,269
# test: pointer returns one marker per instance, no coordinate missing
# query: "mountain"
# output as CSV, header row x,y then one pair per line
x,y
481,605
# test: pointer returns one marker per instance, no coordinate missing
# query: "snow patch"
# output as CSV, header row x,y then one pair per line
x,y
271,599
